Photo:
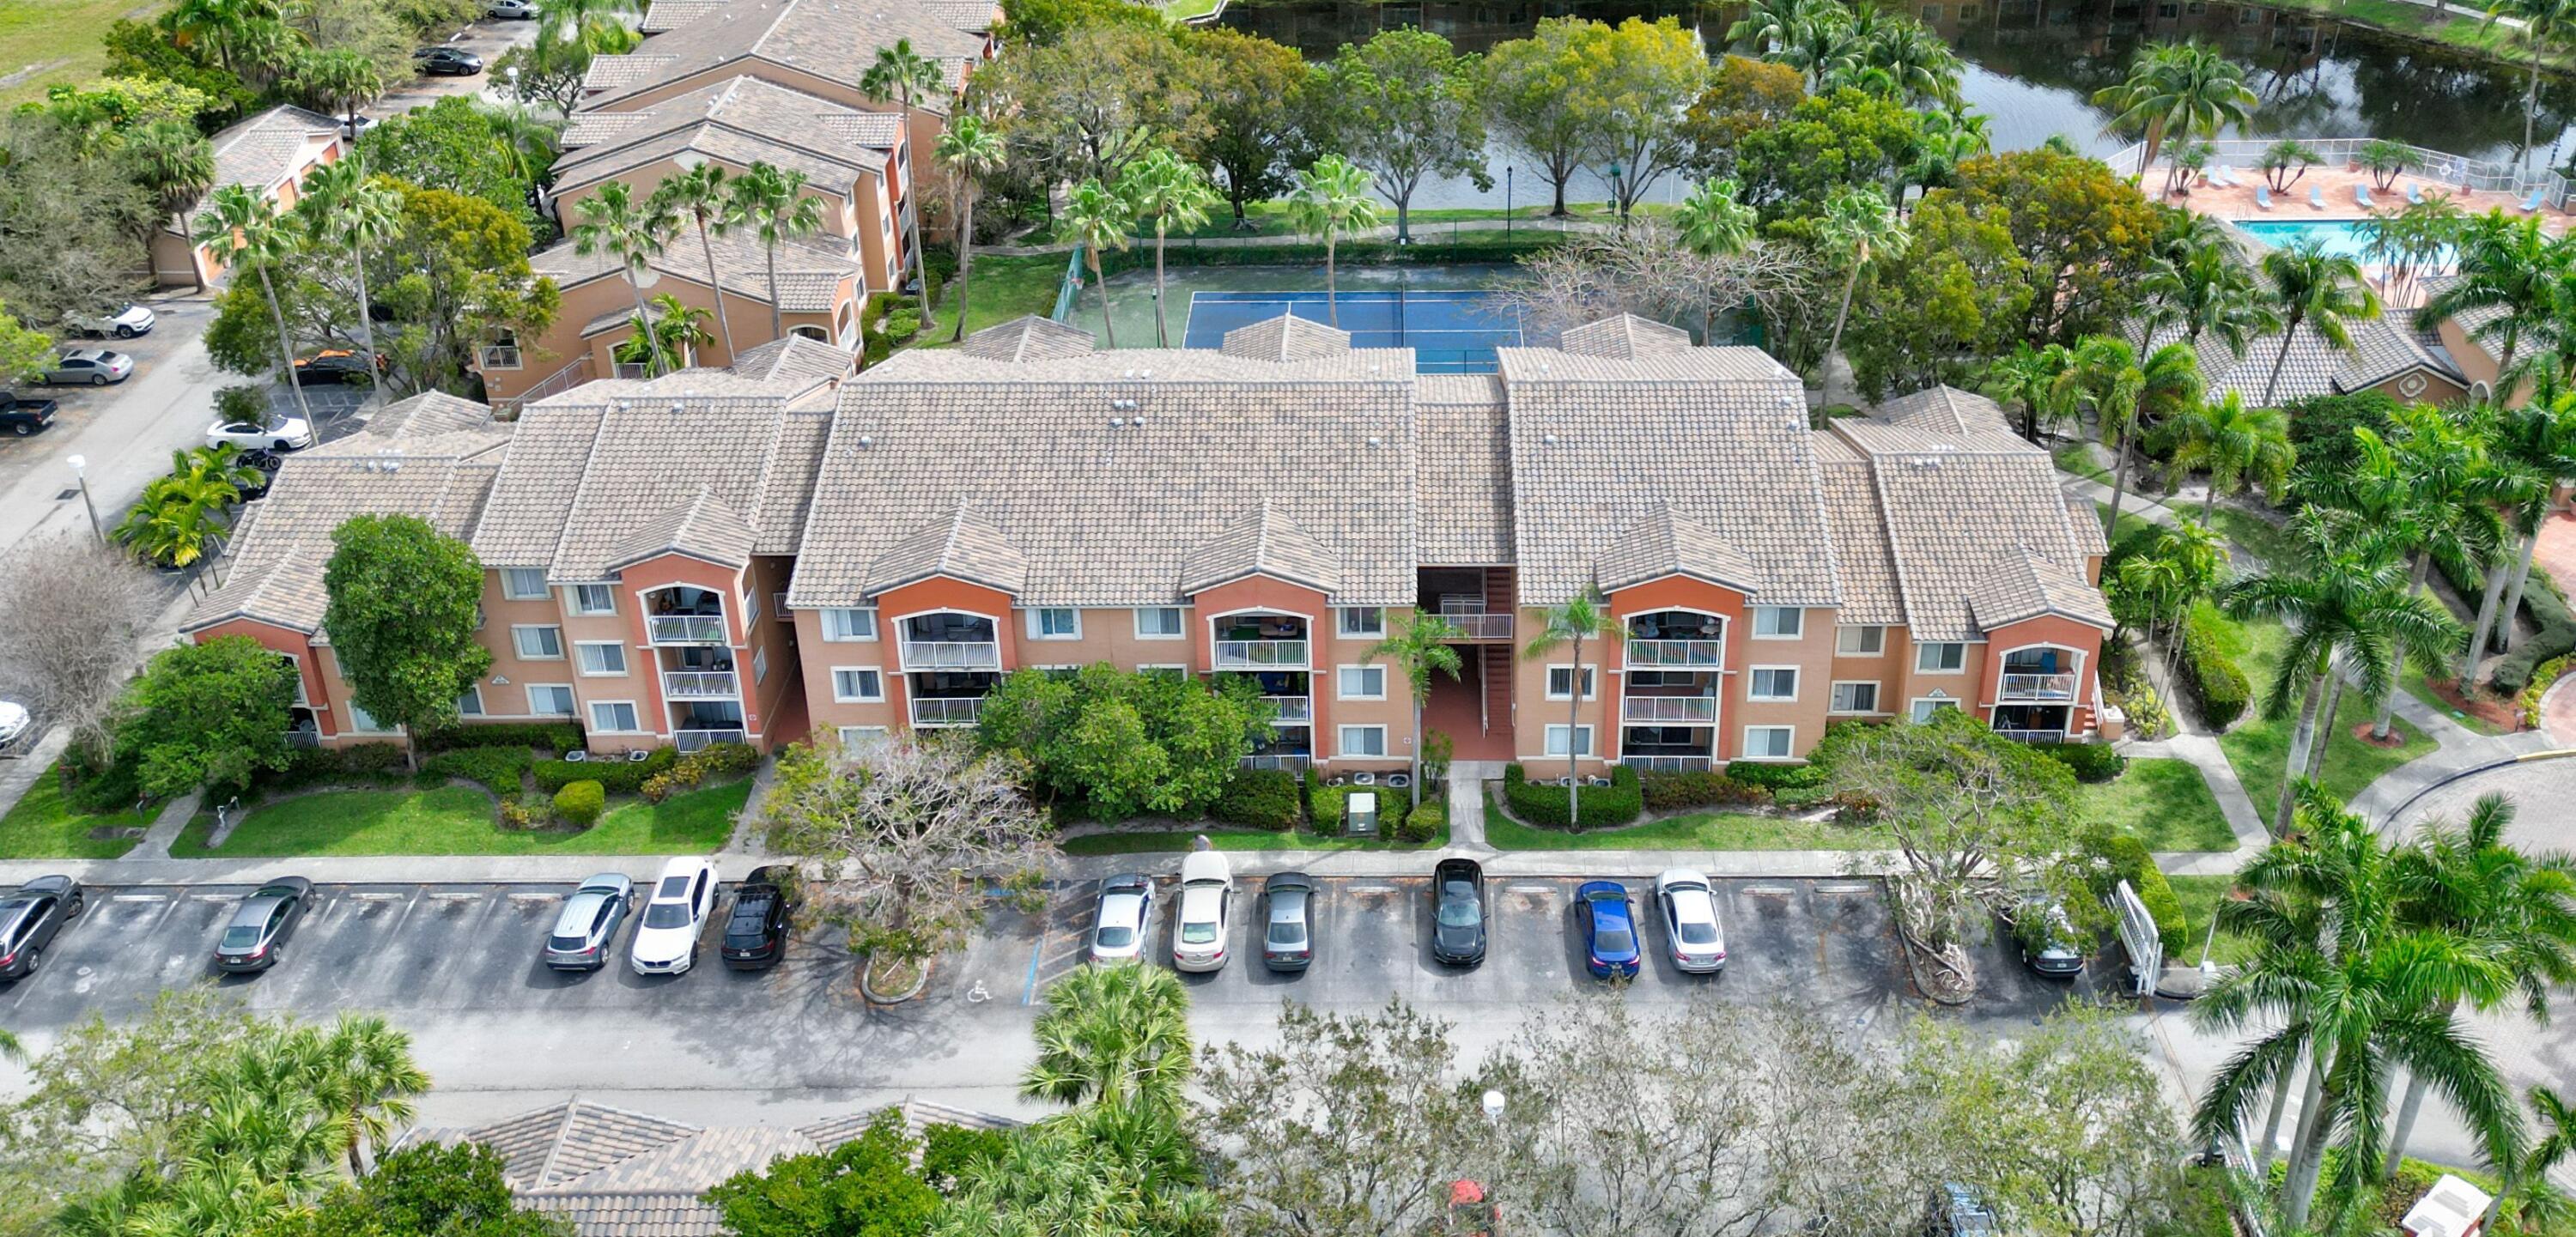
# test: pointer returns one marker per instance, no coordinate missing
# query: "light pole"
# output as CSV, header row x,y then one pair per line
x,y
1507,231
80,473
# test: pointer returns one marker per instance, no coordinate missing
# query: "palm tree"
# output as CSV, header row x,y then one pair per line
x,y
182,513
2178,567
1923,67
1418,649
1767,24
2128,395
2546,25
1858,227
1949,138
2322,290
1169,190
632,232
175,164
2541,437
2029,377
2241,447
671,328
1096,217
971,150
2429,486
705,195
1714,222
342,206
2180,91
2511,266
774,202
260,240
1585,616
338,83
2527,1182
226,25
2284,162
558,17
1331,198
370,1082
1113,1035
2206,291
898,75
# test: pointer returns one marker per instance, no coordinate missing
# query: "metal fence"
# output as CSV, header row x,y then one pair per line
x,y
2422,163
1070,286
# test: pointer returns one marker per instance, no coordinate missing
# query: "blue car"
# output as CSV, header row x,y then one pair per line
x,y
1609,929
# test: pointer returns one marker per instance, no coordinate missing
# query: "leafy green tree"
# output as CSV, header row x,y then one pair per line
x,y
971,151
2087,234
72,219
552,67
466,146
1098,1169
633,232
1125,742
901,75
2129,395
1046,23
2323,291
1115,1036
2155,587
1958,296
1529,85
1743,97
208,715
865,1187
778,210
2240,447
2177,91
1166,190
1844,138
108,112
243,34
1950,138
1253,98
1640,78
23,352
405,600
1331,198
1568,625
1082,107
1097,217
428,1190
261,241
1406,106
2203,289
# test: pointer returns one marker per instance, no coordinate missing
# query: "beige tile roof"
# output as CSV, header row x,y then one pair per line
x,y
1863,559
1285,338
427,414
962,544
1264,542
1465,494
802,365
702,527
1945,410
1029,338
1625,336
834,40
1966,517
633,1213
810,272
539,479
2091,539
2383,348
259,151
969,15
1661,544
738,122
2025,585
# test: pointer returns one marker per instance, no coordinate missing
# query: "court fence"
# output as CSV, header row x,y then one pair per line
x,y
1070,287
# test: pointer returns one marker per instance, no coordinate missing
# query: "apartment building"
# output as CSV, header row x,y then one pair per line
x,y
270,154
777,550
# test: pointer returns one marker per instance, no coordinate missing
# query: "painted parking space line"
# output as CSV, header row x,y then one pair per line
x,y
454,896
1856,887
1770,891
139,897
378,897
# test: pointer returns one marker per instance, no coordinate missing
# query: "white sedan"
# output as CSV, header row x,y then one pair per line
x,y
1207,893
282,434
15,724
1690,921
666,942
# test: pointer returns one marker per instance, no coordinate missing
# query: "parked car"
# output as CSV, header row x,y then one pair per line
x,y
95,366
24,416
1458,912
1207,894
1288,935
1118,928
587,924
755,934
255,939
1609,923
453,61
355,124
15,723
1958,1211
511,10
333,365
281,434
29,919
2048,941
666,940
125,323
1691,928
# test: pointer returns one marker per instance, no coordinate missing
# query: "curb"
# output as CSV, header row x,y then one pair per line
x,y
2398,812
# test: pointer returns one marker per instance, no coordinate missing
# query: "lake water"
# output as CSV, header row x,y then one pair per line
x,y
2035,64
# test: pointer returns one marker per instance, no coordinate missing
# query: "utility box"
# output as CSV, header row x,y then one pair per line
x,y
1359,814
2452,1208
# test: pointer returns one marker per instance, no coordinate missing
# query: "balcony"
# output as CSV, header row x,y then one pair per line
x,y
691,740
2059,687
1260,654
1294,762
951,655
1481,626
1293,710
946,710
1704,653
700,685
1666,764
1675,710
2034,736
685,628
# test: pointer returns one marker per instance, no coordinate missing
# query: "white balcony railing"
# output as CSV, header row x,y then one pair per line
x,y
1481,626
700,685
951,655
1293,710
1676,652
1291,761
1666,764
1260,654
1682,710
2038,687
685,628
692,740
2034,736
946,710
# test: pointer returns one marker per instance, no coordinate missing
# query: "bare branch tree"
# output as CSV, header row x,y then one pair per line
x,y
1645,271
72,618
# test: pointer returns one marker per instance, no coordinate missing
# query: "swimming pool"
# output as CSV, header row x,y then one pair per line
x,y
2348,238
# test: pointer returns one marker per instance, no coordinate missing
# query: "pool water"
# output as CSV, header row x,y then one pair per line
x,y
2348,238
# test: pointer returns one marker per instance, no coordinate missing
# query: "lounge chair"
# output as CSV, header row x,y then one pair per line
x,y
2531,204
2414,194
2225,176
2262,197
2317,196
2361,197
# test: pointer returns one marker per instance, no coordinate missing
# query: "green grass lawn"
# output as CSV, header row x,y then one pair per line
x,y
2259,748
2165,803
1176,841
2077,458
459,820
2130,520
1003,287
59,40
42,826
2200,896
1697,831
2418,684
2258,539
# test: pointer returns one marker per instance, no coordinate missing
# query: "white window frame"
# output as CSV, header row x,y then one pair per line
x,y
1591,679
1792,745
1915,713
519,646
760,665
1923,651
1833,703
1553,740
363,722
1180,623
1753,676
1172,668
840,697
1342,742
582,667
1799,619
475,694
597,705
1346,622
571,698
1847,638
867,622
852,736
1341,688
1037,623
511,575
750,604
576,598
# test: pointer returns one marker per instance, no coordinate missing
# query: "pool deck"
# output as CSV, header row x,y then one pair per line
x,y
2237,203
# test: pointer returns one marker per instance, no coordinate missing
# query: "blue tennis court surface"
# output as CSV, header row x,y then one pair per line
x,y
1449,332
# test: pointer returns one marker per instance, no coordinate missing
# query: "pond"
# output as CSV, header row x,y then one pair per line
x,y
2033,68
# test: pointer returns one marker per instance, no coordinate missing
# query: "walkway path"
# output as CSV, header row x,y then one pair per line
x,y
166,828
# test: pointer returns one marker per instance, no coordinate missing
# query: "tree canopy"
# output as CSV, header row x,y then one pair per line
x,y
865,1187
208,714
405,600
1123,743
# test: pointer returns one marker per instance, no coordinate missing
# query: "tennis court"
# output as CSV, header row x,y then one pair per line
x,y
1451,332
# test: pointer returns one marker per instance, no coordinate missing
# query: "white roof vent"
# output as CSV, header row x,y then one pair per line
x,y
1115,422
1375,441
1549,439
867,440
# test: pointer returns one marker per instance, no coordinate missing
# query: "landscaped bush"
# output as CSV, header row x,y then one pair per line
x,y
2213,678
543,736
1603,807
616,774
581,803
2092,762
1423,823
2541,680
1259,799
496,769
713,760
1777,777
114,787
1673,792
1324,805
524,812
2556,637
2126,858
361,764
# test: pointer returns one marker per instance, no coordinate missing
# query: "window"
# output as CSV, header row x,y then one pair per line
x,y
862,738
538,643
1778,622
1556,740
1855,698
1940,658
1363,621
750,604
594,599
1364,740
1924,709
1167,671
1158,623
471,703
523,583
598,657
1362,683
360,721
1931,13
1860,641
1768,742
1055,623
760,665
1560,683
855,686
1774,683
848,625
613,716
549,700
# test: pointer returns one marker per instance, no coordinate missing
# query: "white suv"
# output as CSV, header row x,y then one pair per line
x,y
1207,894
666,941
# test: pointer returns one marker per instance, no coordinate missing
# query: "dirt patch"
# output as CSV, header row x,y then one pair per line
x,y
42,66
2485,708
2396,737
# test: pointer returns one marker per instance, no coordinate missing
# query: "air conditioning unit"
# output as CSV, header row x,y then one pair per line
x,y
1399,780
638,756
576,756
1364,779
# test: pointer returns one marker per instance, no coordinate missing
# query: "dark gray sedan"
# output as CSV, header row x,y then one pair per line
x,y
255,940
29,919
1288,934
587,925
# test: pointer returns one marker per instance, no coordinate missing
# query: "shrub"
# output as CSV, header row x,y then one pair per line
x,y
525,812
2092,762
360,764
1325,803
1806,776
1672,792
114,787
497,769
2126,858
543,736
615,774
2555,639
713,760
2541,680
581,803
1603,807
2215,682
1423,823
1259,799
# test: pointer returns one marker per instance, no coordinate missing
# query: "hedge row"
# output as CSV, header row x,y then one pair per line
x,y
1603,807
1259,799
1673,792
543,736
1324,805
2217,686
615,774
2092,762
1777,777
2555,639
713,760
496,769
2129,860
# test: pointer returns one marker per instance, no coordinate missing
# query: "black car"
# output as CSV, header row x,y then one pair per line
x,y
255,939
24,416
29,919
1288,935
333,365
454,61
1458,912
755,932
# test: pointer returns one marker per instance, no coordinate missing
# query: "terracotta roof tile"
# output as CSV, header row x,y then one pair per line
x,y
1264,542
1029,338
1625,336
1285,338
835,40
1465,492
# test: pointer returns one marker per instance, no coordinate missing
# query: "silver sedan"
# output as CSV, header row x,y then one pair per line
x,y
1696,941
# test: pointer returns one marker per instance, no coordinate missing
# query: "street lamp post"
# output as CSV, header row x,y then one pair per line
x,y
1507,224
80,472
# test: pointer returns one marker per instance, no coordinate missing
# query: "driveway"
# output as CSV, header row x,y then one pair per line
x,y
126,431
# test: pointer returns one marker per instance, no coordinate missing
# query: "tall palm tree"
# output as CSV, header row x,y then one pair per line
x,y
1096,218
779,210
2541,436
2322,290
260,240
1714,222
1767,24
1332,198
900,75
2546,26
2241,447
228,26
1859,227
1419,649
2029,377
1168,190
1117,1036
2206,291
337,83
705,196
342,206
176,165
369,1083
557,18
1923,67
2511,266
673,328
634,232
2128,395
971,150
1584,616
2527,1182
2177,91
1949,138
